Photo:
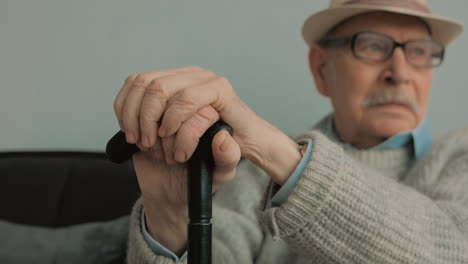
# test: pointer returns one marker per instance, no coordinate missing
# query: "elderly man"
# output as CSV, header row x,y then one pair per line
x,y
366,185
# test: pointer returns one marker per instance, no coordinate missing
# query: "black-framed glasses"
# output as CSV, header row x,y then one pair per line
x,y
375,47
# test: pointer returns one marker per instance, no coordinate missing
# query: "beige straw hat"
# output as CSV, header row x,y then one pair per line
x,y
444,30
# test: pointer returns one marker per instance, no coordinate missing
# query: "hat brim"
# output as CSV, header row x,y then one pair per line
x,y
444,30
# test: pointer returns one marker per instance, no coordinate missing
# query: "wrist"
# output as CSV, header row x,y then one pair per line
x,y
282,161
168,227
276,153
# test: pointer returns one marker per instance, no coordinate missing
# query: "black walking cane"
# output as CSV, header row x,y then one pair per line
x,y
200,170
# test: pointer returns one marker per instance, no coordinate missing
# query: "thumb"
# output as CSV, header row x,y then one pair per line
x,y
226,154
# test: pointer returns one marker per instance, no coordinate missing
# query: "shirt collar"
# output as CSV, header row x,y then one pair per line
x,y
421,137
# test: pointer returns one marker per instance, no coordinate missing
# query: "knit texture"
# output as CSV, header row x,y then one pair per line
x,y
349,206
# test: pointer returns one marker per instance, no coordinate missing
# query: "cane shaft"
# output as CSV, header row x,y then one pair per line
x,y
200,180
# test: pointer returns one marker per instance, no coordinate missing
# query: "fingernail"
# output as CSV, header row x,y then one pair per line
x,y
180,156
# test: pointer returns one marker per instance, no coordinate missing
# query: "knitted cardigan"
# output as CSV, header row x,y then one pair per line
x,y
349,206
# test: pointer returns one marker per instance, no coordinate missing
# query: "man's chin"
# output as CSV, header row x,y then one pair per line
x,y
389,125
375,126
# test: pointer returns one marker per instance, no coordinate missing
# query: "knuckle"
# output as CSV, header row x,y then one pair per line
x,y
159,88
130,78
223,84
117,105
139,81
209,113
197,125
186,99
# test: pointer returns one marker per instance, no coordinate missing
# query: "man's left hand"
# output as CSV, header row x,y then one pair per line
x,y
165,103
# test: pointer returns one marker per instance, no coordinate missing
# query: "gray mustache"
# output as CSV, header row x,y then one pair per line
x,y
391,95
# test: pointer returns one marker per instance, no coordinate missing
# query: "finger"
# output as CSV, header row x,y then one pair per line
x,y
226,154
133,95
188,136
158,151
159,91
122,95
168,148
120,99
215,92
131,107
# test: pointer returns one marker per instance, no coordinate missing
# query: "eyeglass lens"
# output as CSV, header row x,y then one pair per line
x,y
376,47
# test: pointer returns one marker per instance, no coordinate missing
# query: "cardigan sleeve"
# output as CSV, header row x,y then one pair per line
x,y
343,212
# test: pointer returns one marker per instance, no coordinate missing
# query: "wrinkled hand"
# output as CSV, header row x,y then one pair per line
x,y
161,103
166,112
162,181
164,190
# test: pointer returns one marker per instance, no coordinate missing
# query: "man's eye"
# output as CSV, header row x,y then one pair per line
x,y
418,51
374,46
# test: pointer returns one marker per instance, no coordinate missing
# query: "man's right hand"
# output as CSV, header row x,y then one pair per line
x,y
139,108
168,111
164,184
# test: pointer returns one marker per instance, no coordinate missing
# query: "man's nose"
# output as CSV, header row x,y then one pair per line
x,y
398,68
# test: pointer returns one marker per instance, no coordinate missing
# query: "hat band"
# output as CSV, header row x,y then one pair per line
x,y
413,5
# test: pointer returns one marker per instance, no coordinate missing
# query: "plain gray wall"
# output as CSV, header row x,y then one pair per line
x,y
63,62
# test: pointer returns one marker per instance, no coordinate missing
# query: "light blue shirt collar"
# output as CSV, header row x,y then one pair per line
x,y
421,136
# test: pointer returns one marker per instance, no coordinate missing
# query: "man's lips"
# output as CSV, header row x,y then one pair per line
x,y
393,105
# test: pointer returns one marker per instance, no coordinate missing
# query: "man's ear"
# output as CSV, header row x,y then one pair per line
x,y
317,62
